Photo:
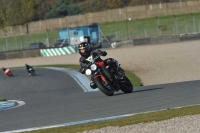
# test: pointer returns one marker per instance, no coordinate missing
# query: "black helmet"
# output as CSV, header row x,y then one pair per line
x,y
3,68
84,48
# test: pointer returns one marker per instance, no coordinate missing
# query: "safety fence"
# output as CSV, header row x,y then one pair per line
x,y
73,49
115,31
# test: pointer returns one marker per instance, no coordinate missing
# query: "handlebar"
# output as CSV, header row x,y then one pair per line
x,y
95,55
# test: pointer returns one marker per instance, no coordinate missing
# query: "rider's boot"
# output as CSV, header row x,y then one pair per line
x,y
92,84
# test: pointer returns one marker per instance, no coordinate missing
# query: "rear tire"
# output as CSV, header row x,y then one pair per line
x,y
106,90
126,85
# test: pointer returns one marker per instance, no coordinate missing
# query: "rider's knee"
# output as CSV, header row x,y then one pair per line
x,y
111,62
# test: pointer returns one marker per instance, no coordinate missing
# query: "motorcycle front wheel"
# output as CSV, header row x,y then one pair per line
x,y
105,88
126,85
33,73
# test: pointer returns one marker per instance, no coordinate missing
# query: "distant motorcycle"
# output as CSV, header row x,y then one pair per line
x,y
101,75
31,71
7,72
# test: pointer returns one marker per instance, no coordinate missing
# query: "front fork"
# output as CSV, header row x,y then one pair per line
x,y
103,78
106,82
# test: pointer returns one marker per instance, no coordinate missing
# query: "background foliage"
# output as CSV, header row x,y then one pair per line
x,y
19,12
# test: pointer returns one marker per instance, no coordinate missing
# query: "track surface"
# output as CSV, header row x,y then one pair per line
x,y
53,97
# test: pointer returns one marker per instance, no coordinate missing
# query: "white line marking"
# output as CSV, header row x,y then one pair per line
x,y
20,103
91,120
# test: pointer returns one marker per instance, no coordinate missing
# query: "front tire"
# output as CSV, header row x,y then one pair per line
x,y
33,73
126,85
107,90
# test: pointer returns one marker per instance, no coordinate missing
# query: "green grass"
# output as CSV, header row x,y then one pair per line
x,y
135,80
2,99
135,119
72,66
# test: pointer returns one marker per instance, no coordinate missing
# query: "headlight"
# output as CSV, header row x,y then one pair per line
x,y
88,72
93,67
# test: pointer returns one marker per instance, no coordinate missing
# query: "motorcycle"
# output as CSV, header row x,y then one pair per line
x,y
31,71
8,73
103,78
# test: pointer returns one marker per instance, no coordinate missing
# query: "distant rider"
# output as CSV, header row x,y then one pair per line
x,y
27,68
5,70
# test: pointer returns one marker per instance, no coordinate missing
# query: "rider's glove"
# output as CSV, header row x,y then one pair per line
x,y
103,53
99,52
82,70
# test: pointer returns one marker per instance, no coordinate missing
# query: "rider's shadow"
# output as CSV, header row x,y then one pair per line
x,y
40,74
137,91
16,75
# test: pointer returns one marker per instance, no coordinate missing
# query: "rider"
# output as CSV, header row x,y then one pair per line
x,y
85,51
27,68
3,69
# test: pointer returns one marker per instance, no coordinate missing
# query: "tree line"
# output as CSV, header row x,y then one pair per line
x,y
20,12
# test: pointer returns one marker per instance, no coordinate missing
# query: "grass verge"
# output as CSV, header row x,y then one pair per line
x,y
138,118
2,99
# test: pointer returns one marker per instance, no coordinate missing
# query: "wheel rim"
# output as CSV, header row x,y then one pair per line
x,y
107,85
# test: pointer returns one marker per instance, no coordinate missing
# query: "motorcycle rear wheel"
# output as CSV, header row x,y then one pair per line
x,y
126,85
107,90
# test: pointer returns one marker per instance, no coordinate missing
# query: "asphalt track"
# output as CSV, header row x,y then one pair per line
x,y
53,97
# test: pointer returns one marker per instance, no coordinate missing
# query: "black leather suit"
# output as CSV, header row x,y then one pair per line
x,y
84,64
